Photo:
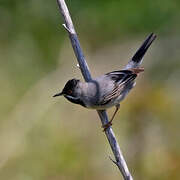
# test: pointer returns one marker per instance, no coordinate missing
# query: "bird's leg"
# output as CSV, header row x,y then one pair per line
x,y
110,122
117,108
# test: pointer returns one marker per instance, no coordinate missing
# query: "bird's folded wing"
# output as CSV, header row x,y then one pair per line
x,y
121,79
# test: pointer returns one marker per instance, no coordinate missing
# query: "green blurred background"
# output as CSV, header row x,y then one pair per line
x,y
42,138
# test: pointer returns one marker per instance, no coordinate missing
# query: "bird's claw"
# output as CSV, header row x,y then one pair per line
x,y
106,126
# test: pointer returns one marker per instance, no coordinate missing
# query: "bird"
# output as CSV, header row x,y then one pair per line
x,y
110,89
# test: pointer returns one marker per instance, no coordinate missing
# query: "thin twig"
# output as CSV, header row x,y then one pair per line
x,y
120,161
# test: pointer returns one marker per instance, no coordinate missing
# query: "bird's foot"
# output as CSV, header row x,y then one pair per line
x,y
106,126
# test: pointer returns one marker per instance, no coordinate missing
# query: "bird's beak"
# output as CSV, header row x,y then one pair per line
x,y
58,94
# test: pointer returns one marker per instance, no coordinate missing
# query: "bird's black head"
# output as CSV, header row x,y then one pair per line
x,y
69,88
70,92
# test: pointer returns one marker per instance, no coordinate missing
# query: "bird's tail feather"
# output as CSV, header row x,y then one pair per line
x,y
137,58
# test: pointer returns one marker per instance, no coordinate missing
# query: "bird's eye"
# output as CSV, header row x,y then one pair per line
x,y
69,91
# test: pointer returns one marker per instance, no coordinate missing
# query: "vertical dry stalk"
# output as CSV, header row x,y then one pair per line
x,y
68,24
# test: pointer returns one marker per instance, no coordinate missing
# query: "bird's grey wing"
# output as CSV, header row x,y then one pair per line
x,y
121,80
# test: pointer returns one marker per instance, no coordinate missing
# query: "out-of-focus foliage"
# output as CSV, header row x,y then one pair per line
x,y
50,139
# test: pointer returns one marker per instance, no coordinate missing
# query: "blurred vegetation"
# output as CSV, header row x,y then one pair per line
x,y
50,139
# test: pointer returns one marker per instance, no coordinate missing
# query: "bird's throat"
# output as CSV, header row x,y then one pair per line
x,y
75,100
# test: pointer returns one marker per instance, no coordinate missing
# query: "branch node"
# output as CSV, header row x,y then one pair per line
x,y
66,28
113,161
77,65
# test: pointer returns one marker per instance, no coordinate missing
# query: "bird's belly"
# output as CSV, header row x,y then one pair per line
x,y
110,104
